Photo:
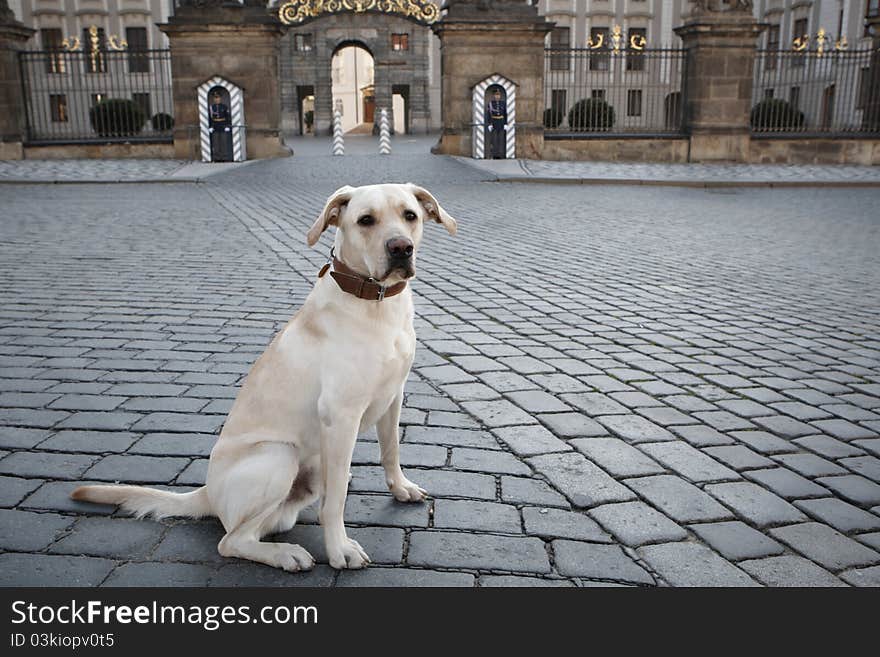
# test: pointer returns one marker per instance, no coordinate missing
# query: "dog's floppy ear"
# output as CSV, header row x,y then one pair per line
x,y
432,207
330,214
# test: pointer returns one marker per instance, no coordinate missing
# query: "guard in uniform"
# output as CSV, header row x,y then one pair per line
x,y
220,127
496,122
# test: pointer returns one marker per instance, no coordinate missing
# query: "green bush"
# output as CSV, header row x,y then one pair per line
x,y
591,114
775,114
162,122
553,117
117,117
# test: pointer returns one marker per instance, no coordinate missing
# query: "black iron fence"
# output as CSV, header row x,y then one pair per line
x,y
100,96
814,93
603,91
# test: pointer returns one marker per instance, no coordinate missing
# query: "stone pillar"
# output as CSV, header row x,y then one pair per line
x,y
13,36
240,43
479,38
871,116
721,39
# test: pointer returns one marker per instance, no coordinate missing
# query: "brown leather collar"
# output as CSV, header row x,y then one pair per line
x,y
362,287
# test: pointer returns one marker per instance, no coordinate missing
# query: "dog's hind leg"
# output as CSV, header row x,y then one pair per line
x,y
250,494
305,490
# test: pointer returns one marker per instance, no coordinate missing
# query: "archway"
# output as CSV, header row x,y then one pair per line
x,y
352,71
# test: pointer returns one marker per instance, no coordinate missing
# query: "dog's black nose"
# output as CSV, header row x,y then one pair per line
x,y
399,248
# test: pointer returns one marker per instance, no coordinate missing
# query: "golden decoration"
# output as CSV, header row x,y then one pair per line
x,y
616,38
599,41
297,11
823,43
637,42
72,43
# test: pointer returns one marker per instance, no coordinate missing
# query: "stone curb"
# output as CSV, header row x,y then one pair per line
x,y
684,183
132,181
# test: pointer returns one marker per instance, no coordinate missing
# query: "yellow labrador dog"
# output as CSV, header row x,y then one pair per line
x,y
337,368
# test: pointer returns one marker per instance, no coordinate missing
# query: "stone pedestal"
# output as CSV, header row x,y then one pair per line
x,y
13,36
240,44
720,71
477,40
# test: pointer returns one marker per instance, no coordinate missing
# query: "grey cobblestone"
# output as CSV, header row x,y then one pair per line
x,y
691,564
789,570
825,546
607,562
114,361
635,523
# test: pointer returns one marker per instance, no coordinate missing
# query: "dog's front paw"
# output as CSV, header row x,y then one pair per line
x,y
406,491
349,555
294,558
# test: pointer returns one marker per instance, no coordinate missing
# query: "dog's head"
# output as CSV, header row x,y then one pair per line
x,y
379,227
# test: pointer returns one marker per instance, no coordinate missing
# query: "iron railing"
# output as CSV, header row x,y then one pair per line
x,y
600,92
814,93
67,92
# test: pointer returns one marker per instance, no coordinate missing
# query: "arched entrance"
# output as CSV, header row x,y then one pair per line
x,y
406,69
354,97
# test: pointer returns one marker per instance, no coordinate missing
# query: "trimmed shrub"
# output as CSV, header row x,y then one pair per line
x,y
162,122
553,117
775,114
591,114
117,117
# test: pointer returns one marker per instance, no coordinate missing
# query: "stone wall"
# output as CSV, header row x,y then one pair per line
x,y
608,149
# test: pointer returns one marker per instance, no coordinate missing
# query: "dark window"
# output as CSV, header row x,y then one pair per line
x,y
143,101
138,60
872,8
634,102
799,31
800,28
635,60
772,47
864,92
58,107
557,100
51,40
560,43
400,42
303,42
768,93
598,94
599,58
95,53
794,97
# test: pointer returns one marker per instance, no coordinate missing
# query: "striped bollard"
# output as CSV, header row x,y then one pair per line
x,y
338,141
384,134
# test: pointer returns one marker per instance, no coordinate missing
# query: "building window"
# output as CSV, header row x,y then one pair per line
x,y
597,94
800,31
51,39
95,60
399,42
794,97
58,107
772,47
599,58
635,60
872,8
560,40
143,101
303,42
558,99
863,94
634,102
138,59
768,93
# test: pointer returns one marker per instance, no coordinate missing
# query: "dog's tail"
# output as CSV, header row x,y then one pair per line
x,y
142,501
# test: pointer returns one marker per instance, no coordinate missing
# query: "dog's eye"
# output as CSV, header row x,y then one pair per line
x,y
409,215
367,220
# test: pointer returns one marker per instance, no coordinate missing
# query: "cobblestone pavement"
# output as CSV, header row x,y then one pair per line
x,y
638,386
689,174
